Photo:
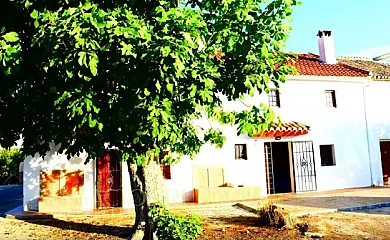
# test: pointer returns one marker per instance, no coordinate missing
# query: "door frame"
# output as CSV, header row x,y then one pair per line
x,y
381,160
96,176
291,165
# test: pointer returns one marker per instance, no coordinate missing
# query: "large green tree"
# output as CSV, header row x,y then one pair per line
x,y
136,74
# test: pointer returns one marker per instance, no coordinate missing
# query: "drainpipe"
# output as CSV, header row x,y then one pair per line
x,y
367,132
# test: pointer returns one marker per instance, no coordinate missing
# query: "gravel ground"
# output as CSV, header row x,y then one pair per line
x,y
221,222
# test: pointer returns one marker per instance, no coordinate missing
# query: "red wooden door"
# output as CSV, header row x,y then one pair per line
x,y
109,185
385,157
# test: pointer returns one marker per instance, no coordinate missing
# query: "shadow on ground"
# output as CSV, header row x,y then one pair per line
x,y
240,220
122,232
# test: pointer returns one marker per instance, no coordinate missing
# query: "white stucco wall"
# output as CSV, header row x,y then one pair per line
x,y
302,100
378,121
55,161
344,126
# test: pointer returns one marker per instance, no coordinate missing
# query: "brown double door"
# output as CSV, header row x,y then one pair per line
x,y
109,184
385,158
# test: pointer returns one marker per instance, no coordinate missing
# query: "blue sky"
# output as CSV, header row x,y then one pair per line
x,y
360,27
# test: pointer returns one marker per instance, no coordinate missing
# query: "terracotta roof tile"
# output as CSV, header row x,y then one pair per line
x,y
285,129
309,64
289,126
380,70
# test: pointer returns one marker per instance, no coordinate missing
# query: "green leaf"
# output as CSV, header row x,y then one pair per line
x,y
11,37
27,4
92,123
82,58
158,86
100,127
187,37
93,64
34,14
166,50
170,87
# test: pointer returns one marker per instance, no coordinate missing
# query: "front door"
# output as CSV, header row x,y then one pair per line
x,y
290,167
385,158
109,184
304,167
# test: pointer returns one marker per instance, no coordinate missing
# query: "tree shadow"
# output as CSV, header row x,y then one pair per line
x,y
122,232
252,221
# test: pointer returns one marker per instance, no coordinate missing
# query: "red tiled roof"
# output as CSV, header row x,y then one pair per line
x,y
309,64
380,70
285,129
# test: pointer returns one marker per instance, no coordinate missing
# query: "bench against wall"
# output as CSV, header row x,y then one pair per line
x,y
210,186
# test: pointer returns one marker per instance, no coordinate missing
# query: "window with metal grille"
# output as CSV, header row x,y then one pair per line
x,y
327,155
274,98
330,97
240,152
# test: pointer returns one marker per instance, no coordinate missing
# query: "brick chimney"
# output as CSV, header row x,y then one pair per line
x,y
326,47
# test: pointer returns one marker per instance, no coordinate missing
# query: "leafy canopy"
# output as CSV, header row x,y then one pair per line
x,y
136,74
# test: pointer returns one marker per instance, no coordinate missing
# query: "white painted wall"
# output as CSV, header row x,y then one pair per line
x,y
302,100
378,120
344,126
54,161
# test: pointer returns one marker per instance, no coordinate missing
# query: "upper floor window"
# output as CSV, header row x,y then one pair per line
x,y
274,98
330,98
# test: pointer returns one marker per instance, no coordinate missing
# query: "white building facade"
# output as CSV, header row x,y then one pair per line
x,y
340,106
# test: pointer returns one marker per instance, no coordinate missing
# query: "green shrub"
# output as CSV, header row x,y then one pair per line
x,y
10,160
175,226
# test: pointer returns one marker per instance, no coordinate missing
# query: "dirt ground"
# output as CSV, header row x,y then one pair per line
x,y
223,223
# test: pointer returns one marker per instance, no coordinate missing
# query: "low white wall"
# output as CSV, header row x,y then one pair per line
x,y
54,161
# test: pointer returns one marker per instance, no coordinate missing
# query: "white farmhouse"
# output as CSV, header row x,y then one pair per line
x,y
335,125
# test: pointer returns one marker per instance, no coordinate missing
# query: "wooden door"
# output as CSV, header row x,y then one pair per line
x,y
109,184
385,158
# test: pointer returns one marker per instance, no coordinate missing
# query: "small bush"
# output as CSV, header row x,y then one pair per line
x,y
174,226
9,161
270,215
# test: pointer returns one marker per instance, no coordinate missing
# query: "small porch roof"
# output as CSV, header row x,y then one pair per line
x,y
285,129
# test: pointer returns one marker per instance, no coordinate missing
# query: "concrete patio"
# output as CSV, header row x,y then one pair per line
x,y
330,201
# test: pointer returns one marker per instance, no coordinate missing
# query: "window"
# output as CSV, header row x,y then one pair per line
x,y
165,169
240,152
327,155
330,97
274,98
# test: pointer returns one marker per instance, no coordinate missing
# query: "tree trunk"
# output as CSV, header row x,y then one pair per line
x,y
148,187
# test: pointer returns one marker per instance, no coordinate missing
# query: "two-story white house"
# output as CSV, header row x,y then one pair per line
x,y
334,122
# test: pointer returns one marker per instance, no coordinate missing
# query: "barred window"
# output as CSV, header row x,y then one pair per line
x,y
240,152
330,97
274,98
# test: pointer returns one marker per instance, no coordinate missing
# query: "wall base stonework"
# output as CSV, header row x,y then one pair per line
x,y
226,194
